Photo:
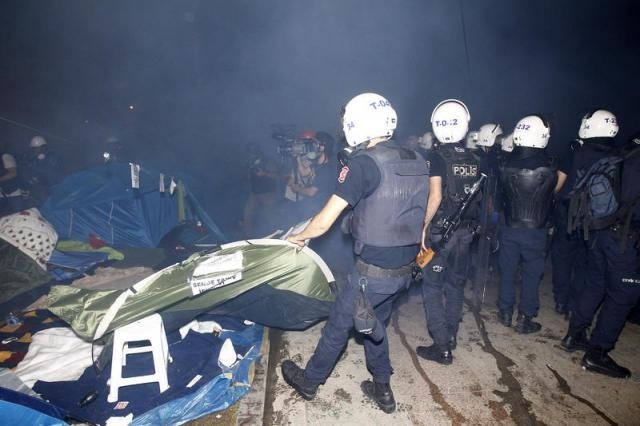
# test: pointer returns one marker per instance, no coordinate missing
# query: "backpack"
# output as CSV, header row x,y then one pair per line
x,y
598,199
595,198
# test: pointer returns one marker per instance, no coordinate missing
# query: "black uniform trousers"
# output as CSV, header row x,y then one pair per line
x,y
522,247
612,281
335,334
443,286
568,260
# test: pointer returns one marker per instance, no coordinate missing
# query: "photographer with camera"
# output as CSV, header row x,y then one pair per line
x,y
311,180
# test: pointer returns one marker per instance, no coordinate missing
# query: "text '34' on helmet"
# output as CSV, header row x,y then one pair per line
x,y
506,142
368,116
598,123
488,133
37,142
532,131
450,121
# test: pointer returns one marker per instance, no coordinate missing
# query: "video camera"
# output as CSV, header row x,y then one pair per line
x,y
295,147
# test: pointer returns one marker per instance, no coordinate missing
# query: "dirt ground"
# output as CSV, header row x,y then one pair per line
x,y
498,376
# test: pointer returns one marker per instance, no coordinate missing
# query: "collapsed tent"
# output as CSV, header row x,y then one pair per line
x,y
26,244
101,202
270,282
212,367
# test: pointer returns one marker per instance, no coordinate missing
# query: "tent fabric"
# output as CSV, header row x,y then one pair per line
x,y
79,247
31,234
101,201
56,354
18,414
67,266
19,273
198,384
203,282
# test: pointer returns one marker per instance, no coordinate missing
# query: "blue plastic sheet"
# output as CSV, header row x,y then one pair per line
x,y
197,354
67,266
16,414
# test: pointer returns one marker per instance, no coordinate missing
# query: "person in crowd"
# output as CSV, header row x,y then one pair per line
x,y
453,171
386,186
42,170
263,182
11,187
529,180
312,179
471,140
568,250
600,173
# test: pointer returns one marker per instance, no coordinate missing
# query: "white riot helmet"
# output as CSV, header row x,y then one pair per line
x,y
599,123
532,131
368,116
471,140
506,143
37,142
450,121
487,134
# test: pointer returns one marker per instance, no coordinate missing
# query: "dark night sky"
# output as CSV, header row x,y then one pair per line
x,y
207,77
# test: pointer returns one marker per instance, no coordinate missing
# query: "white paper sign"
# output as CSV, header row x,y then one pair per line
x,y
200,285
216,264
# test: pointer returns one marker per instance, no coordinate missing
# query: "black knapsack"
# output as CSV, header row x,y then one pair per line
x,y
595,198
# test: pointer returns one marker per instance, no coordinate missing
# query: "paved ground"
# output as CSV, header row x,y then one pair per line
x,y
498,376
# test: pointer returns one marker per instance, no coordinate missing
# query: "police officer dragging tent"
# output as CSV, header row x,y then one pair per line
x,y
386,186
528,180
453,172
603,207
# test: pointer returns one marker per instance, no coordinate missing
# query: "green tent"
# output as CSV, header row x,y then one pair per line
x,y
267,281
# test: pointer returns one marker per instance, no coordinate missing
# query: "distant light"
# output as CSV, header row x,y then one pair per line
x,y
131,107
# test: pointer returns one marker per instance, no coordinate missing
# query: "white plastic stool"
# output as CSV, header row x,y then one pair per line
x,y
148,329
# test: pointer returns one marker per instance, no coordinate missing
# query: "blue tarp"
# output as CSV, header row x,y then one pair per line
x,y
194,356
67,266
28,410
16,414
100,201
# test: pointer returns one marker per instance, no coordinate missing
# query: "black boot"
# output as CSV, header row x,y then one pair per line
x,y
598,361
380,393
525,325
575,342
505,317
294,376
435,353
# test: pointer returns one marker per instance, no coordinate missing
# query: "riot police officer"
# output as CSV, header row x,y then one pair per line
x,y
568,250
453,171
612,280
529,179
387,187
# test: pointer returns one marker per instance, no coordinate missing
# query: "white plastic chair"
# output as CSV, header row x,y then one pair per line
x,y
149,329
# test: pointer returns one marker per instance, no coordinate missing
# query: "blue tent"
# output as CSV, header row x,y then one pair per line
x,y
101,201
